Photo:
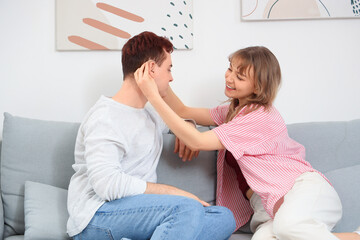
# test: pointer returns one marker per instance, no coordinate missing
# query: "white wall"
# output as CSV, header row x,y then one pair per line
x,y
319,60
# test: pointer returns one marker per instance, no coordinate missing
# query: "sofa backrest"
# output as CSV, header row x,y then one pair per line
x,y
197,176
35,150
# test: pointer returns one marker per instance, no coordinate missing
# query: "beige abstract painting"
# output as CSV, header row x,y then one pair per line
x,y
108,24
299,9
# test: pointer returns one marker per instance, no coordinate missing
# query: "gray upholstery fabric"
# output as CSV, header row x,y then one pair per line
x,y
197,176
15,237
34,150
346,182
243,236
329,145
42,201
1,205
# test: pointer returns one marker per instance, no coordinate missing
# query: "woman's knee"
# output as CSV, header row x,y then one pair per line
x,y
286,227
264,231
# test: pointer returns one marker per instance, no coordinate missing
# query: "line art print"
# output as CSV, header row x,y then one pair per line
x,y
108,24
299,9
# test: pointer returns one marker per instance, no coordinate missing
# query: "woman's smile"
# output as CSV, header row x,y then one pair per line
x,y
230,88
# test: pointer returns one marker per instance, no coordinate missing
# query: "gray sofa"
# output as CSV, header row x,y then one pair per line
x,y
36,159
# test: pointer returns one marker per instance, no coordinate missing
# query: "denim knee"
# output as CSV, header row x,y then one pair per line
x,y
190,211
226,215
94,232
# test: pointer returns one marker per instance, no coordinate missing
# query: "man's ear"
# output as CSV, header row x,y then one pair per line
x,y
152,68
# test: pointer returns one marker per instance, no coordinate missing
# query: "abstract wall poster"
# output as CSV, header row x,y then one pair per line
x,y
108,24
299,9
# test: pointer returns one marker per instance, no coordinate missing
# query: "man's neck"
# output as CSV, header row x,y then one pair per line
x,y
130,94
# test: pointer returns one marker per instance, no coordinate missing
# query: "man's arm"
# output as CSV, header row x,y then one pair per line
x,y
157,188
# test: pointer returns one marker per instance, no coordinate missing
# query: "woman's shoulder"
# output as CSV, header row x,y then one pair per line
x,y
267,115
218,114
224,108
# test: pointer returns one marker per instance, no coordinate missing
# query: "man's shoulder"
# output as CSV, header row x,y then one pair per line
x,y
155,116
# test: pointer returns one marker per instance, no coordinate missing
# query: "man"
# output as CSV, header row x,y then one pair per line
x,y
113,193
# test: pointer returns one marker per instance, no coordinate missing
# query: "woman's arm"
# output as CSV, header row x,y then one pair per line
x,y
194,139
200,115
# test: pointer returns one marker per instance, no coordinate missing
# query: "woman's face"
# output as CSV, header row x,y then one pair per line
x,y
239,85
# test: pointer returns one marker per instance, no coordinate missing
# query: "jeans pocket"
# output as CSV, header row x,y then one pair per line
x,y
94,232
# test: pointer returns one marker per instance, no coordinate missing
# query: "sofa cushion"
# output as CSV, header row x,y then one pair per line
x,y
197,176
346,182
15,237
34,150
45,212
241,236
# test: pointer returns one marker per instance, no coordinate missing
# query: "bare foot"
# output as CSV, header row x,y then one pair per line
x,y
347,236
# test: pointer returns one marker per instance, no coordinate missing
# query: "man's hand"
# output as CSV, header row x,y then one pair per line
x,y
158,188
185,153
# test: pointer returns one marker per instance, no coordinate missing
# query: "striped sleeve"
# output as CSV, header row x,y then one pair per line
x,y
247,134
218,114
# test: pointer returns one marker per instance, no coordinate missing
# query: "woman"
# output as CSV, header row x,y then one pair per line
x,y
257,160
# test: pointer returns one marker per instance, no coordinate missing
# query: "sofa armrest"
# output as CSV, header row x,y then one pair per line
x,y
1,219
1,206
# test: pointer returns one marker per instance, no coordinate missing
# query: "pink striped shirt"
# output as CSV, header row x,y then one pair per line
x,y
269,159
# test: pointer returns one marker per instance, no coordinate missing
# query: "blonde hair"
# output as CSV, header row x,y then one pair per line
x,y
267,78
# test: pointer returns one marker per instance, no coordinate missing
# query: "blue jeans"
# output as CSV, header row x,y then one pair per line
x,y
152,216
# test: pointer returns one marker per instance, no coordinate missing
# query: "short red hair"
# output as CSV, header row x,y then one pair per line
x,y
141,48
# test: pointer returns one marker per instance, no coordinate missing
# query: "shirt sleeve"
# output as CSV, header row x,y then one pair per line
x,y
249,134
104,150
218,114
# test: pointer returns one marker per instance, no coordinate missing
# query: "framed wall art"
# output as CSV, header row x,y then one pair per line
x,y
108,24
299,9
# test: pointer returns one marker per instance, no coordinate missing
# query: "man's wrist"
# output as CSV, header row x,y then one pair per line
x,y
191,121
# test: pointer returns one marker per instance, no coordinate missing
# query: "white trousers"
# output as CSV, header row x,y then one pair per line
x,y
309,212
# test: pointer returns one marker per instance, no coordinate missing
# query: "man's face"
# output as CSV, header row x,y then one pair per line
x,y
162,75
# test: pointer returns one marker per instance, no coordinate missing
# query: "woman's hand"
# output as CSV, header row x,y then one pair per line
x,y
145,82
